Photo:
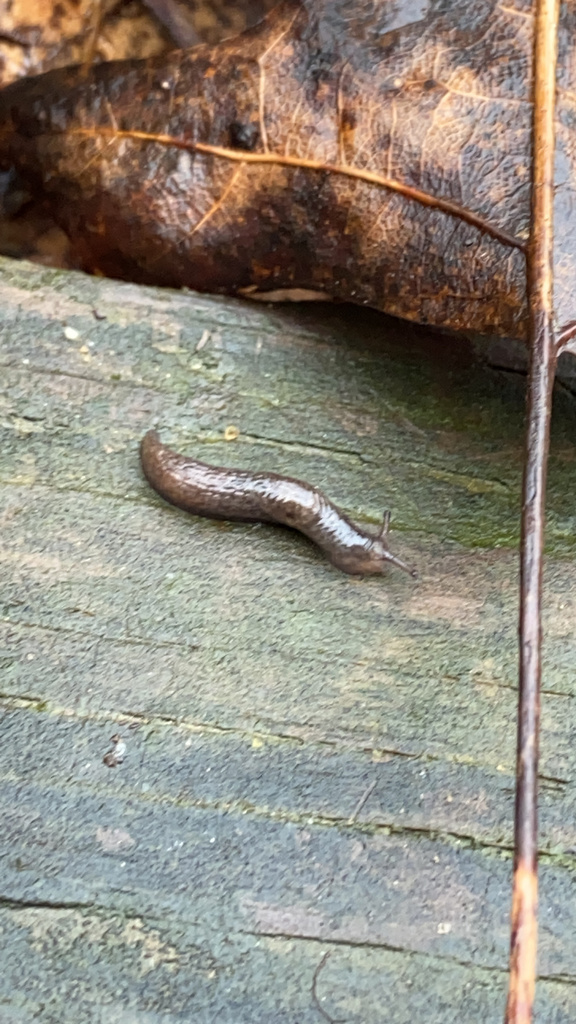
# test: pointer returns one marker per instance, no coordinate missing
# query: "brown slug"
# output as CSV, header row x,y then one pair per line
x,y
219,493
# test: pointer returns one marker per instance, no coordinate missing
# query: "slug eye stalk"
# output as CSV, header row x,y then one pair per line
x,y
385,525
389,557
394,560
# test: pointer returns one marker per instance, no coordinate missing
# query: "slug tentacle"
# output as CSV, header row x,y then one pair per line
x,y
385,524
236,494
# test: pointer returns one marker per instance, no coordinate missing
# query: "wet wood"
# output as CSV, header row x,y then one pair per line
x,y
313,764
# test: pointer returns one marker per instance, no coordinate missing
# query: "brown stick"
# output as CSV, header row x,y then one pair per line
x,y
94,33
543,355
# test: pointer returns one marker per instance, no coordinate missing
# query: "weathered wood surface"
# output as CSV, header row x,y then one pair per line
x,y
315,764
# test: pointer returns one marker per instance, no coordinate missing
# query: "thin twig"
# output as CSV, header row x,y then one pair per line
x,y
362,801
94,34
567,332
320,967
417,195
543,356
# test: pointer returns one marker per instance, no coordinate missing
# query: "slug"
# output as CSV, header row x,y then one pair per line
x,y
219,493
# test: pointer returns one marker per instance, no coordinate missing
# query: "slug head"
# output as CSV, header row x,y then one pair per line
x,y
370,555
380,553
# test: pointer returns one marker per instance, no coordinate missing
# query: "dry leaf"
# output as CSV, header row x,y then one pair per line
x,y
281,160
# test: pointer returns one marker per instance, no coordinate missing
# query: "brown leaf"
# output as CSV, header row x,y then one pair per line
x,y
285,159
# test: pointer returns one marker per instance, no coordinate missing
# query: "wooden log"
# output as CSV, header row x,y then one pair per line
x,y
314,764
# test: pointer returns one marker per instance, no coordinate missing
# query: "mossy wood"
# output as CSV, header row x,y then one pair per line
x,y
314,764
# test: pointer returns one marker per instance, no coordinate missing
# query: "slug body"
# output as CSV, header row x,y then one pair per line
x,y
236,494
